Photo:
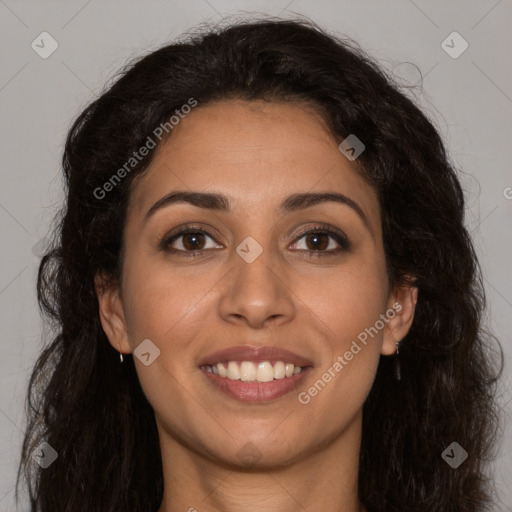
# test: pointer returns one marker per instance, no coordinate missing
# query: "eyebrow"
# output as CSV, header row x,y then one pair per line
x,y
221,203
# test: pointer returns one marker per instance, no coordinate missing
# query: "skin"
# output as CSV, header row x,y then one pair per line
x,y
256,153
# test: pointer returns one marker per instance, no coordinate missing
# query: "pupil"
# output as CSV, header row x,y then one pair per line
x,y
192,236
316,237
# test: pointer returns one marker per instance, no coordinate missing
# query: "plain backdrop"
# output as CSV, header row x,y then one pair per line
x,y
469,98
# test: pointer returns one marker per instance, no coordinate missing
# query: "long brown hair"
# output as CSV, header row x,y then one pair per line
x,y
92,410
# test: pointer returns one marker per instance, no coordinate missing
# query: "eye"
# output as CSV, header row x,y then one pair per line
x,y
320,238
189,239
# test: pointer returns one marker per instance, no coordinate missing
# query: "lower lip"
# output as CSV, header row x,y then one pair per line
x,y
256,391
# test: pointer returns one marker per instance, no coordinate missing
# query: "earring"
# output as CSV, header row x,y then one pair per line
x,y
120,355
396,364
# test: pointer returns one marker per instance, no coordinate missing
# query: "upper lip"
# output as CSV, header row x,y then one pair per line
x,y
254,354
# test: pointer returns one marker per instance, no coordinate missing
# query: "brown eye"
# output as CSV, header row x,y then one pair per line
x,y
323,241
187,241
319,241
193,241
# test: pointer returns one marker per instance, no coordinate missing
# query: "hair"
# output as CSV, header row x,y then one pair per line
x,y
92,410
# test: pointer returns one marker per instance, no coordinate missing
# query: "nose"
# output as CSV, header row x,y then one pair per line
x,y
256,293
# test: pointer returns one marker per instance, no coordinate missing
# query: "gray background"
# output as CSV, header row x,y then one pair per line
x,y
469,98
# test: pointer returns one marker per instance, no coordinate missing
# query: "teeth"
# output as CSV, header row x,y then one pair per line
x,y
265,372
279,370
222,370
247,371
233,372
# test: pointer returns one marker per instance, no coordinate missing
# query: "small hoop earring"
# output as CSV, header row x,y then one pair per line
x,y
120,355
396,364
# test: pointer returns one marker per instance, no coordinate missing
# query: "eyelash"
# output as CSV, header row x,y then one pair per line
x,y
337,235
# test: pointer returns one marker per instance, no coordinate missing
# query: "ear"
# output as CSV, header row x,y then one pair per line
x,y
403,303
112,313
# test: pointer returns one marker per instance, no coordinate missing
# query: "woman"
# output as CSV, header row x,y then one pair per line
x,y
265,294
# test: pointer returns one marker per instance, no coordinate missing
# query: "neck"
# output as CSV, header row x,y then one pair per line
x,y
324,479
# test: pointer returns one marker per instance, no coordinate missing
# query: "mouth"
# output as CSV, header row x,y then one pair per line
x,y
255,374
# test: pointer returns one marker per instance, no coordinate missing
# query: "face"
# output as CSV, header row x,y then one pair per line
x,y
309,278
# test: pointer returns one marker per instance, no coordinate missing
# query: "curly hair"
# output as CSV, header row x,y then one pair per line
x,y
92,410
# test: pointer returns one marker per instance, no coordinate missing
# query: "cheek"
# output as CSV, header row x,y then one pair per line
x,y
350,299
348,308
161,303
166,307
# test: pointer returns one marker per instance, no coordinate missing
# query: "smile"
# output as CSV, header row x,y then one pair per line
x,y
257,383
247,371
255,374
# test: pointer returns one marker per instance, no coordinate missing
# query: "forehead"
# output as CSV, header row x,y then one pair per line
x,y
254,152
